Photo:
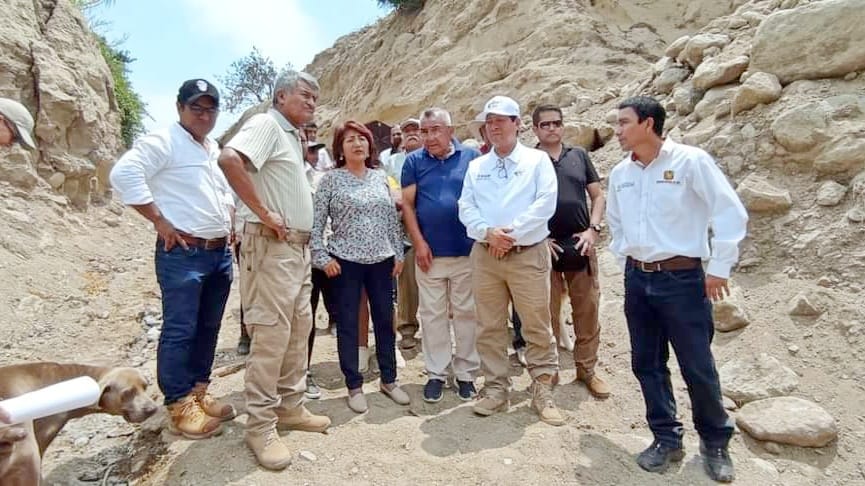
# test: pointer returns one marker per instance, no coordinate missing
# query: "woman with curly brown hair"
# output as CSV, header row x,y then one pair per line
x,y
364,252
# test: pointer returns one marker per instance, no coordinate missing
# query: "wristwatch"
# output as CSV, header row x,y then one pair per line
x,y
597,227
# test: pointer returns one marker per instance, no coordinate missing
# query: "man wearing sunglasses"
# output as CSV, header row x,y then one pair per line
x,y
171,177
508,196
574,232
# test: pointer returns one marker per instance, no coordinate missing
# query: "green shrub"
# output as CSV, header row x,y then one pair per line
x,y
402,5
132,109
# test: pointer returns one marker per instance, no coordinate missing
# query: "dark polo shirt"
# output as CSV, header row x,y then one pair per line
x,y
574,172
439,186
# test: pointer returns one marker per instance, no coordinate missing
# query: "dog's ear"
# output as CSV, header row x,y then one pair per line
x,y
107,392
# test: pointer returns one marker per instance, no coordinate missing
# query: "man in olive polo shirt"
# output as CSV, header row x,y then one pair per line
x,y
264,164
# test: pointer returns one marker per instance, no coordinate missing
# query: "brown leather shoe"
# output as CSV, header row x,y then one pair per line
x,y
212,406
596,386
189,420
542,401
302,419
270,451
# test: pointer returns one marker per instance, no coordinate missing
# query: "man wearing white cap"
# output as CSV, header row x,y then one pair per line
x,y
16,124
508,196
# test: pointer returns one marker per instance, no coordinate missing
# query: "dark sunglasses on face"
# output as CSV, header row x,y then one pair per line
x,y
548,125
199,110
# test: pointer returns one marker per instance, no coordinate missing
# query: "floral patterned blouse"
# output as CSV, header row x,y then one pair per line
x,y
363,217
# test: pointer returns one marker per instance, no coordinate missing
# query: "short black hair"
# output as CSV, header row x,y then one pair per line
x,y
536,115
647,107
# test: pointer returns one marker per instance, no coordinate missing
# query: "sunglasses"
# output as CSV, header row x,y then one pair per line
x,y
549,125
200,110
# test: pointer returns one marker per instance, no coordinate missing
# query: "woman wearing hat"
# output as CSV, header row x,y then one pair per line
x,y
16,124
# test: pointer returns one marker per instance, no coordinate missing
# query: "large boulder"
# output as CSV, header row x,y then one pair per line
x,y
818,40
759,196
845,155
759,88
715,72
755,378
788,420
670,77
714,98
692,53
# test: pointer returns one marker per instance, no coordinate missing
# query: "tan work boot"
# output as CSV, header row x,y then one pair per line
x,y
302,419
212,406
596,386
542,401
489,405
189,420
270,451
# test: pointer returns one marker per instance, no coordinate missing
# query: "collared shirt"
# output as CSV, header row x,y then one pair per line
x,y
574,171
517,191
392,165
665,209
439,184
272,145
169,168
362,216
324,163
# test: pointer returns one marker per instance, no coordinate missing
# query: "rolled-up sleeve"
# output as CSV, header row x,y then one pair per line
x,y
538,214
729,219
132,172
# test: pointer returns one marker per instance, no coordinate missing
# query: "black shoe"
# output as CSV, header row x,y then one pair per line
x,y
243,345
717,463
657,457
466,390
432,391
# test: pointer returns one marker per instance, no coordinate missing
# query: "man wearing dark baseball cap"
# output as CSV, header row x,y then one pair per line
x,y
16,124
171,177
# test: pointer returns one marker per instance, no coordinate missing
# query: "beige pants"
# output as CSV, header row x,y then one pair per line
x,y
525,277
583,290
407,297
448,285
275,290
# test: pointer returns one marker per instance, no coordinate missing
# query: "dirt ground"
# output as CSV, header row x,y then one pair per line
x,y
74,287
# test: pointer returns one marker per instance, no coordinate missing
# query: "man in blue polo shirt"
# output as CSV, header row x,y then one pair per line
x,y
432,182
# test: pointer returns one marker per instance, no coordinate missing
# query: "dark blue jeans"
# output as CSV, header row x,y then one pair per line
x,y
664,308
377,280
195,285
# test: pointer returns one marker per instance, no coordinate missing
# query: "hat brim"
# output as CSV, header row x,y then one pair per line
x,y
316,147
195,97
25,137
475,129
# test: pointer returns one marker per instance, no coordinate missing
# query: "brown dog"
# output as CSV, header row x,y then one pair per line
x,y
22,446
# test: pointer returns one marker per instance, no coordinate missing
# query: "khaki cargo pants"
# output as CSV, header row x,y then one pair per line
x,y
275,292
523,276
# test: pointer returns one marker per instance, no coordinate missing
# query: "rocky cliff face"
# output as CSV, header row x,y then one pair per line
x,y
457,54
51,62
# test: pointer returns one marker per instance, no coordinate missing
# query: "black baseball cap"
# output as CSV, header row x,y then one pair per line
x,y
196,88
315,147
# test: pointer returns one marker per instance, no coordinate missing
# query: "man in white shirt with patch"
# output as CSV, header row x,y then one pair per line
x,y
662,200
171,178
508,196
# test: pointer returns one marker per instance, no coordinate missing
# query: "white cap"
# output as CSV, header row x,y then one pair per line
x,y
476,124
16,113
501,105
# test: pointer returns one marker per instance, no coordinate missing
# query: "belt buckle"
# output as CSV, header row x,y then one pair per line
x,y
212,243
654,267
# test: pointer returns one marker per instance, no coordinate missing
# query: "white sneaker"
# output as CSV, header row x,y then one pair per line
x,y
362,359
400,361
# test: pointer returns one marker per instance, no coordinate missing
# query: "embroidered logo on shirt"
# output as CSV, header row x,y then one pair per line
x,y
624,185
669,178
484,177
668,175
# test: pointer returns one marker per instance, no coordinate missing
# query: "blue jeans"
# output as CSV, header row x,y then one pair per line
x,y
195,285
377,280
664,308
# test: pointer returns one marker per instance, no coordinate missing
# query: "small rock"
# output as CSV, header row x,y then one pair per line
x,y
307,456
715,72
754,378
801,128
153,334
112,221
788,420
845,156
151,321
801,306
692,53
729,316
664,82
824,281
830,193
56,180
676,47
856,215
759,196
507,461
793,349
354,470
773,448
82,441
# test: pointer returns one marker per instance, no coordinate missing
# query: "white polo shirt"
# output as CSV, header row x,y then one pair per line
x,y
666,208
518,193
181,176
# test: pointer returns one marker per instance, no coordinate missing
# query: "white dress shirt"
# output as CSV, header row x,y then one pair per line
x,y
517,191
324,161
666,208
181,176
